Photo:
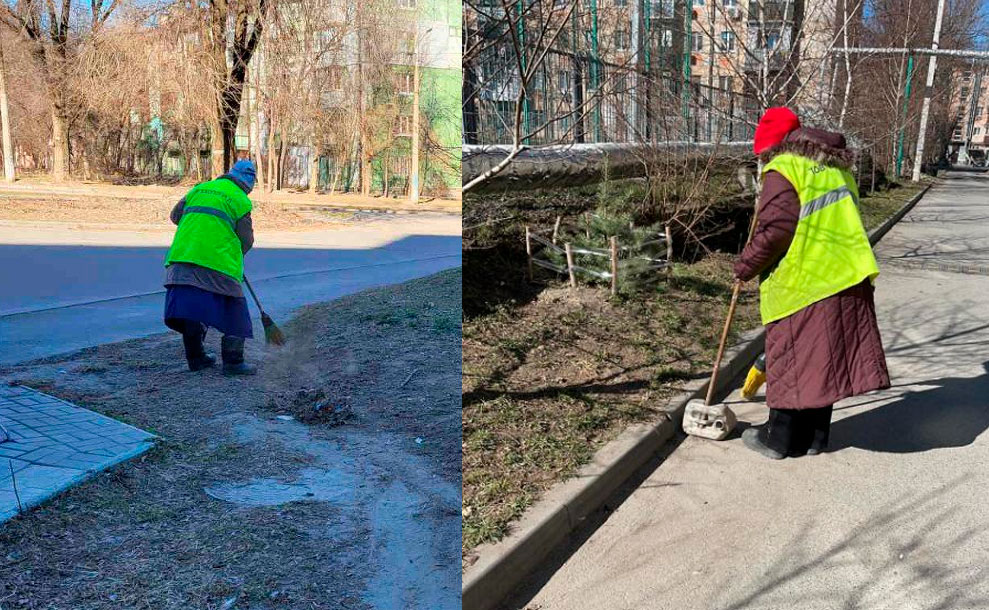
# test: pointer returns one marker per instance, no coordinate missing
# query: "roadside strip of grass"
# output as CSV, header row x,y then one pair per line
x,y
547,383
149,533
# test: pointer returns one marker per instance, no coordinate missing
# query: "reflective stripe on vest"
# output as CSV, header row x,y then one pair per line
x,y
207,235
830,250
825,200
198,209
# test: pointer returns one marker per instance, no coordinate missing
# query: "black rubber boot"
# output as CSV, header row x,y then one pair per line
x,y
192,339
751,439
232,350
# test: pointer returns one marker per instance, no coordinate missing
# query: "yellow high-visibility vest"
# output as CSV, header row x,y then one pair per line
x,y
207,235
830,250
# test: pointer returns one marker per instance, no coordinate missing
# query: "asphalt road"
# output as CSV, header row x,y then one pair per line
x,y
894,517
62,290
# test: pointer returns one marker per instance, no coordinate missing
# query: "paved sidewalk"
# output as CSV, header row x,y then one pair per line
x,y
893,517
54,445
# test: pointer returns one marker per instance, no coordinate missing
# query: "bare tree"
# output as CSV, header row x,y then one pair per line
x,y
248,18
48,32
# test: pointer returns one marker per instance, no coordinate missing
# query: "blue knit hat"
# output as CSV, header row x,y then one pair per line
x,y
243,171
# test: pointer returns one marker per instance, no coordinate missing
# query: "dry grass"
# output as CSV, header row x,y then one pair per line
x,y
117,212
548,383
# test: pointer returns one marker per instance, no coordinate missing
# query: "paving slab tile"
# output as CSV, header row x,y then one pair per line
x,y
55,445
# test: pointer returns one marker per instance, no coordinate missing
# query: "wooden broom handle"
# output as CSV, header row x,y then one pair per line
x,y
724,339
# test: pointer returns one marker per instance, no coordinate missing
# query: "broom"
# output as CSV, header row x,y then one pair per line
x,y
272,334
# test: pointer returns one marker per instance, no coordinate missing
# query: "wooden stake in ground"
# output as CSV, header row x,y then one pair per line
x,y
614,265
556,228
587,224
573,277
528,249
669,250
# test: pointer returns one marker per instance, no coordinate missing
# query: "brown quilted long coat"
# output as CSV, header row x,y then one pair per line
x,y
829,350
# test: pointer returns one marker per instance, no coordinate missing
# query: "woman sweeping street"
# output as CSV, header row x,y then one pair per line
x,y
205,267
816,270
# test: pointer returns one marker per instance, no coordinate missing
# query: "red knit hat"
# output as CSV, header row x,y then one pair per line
x,y
773,127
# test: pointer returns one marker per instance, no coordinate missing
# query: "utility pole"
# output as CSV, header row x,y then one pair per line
x,y
687,48
595,71
414,173
636,40
926,110
647,25
414,177
8,146
906,106
524,67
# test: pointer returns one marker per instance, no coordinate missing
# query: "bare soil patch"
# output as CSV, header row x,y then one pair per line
x,y
241,504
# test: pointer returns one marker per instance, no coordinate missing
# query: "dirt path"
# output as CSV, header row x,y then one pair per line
x,y
331,480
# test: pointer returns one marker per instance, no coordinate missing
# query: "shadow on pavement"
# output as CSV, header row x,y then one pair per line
x,y
952,414
70,297
52,275
905,545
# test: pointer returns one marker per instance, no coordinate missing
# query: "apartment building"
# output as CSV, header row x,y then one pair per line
x,y
970,112
641,70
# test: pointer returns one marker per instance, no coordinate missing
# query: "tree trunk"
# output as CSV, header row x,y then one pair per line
x,y
365,174
60,142
8,145
217,165
314,172
271,155
385,164
336,176
281,164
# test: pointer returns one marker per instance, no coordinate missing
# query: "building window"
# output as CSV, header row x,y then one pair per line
x,y
977,131
697,42
403,125
621,3
727,42
621,39
564,81
772,40
731,3
662,8
403,82
667,38
407,4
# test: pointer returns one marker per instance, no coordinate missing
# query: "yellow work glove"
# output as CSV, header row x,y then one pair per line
x,y
755,378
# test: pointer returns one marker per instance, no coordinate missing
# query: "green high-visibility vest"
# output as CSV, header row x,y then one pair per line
x,y
206,234
830,250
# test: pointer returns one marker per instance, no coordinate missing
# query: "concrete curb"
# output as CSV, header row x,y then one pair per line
x,y
879,232
501,567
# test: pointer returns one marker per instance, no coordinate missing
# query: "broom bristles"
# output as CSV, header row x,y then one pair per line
x,y
272,334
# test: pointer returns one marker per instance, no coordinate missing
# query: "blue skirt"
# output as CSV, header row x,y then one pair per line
x,y
227,314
